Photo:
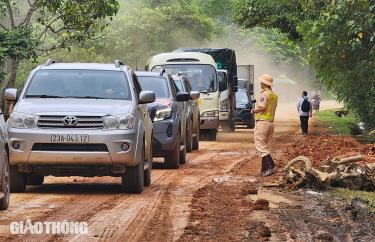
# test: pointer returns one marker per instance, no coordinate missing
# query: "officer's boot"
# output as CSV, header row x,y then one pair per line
x,y
264,166
270,166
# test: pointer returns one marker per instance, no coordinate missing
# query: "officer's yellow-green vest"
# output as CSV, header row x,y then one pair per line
x,y
269,112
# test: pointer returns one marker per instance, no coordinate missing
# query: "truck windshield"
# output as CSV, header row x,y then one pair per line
x,y
158,85
89,84
242,98
202,77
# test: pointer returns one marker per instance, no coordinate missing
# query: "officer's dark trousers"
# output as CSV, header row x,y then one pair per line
x,y
304,124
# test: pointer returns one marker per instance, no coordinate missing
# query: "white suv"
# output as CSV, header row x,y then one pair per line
x,y
76,119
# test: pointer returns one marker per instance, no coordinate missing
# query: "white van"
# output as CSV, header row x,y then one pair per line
x,y
200,70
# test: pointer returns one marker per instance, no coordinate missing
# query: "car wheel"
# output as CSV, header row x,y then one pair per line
x,y
183,151
133,180
34,180
17,180
5,185
147,173
172,159
196,140
189,137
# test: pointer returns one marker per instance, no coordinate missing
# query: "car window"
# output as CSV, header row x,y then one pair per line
x,y
179,86
79,84
187,85
156,84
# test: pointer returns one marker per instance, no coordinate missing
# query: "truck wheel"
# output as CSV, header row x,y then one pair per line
x,y
17,180
132,182
212,134
34,180
189,136
196,140
147,173
172,159
5,185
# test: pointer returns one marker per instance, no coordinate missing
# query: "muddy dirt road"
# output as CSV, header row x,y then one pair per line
x,y
161,213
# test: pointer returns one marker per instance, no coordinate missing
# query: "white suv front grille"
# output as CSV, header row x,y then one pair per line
x,y
57,121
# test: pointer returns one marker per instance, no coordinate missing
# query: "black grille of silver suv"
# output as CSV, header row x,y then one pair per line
x,y
70,121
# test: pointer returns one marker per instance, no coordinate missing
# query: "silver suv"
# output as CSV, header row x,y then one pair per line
x,y
75,119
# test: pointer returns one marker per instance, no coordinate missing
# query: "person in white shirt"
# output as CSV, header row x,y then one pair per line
x,y
305,112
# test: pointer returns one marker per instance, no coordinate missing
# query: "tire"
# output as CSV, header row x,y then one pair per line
x,y
212,134
5,185
147,173
196,140
172,160
34,180
133,180
17,180
183,152
189,137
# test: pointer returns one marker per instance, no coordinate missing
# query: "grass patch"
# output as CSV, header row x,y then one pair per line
x,y
368,197
346,125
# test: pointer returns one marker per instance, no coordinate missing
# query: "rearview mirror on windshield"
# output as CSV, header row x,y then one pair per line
x,y
146,97
182,97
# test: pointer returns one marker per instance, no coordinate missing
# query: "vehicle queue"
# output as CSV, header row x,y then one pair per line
x,y
87,119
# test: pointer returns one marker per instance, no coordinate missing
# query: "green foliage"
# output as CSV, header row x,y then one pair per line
x,y
340,38
136,36
367,197
346,125
342,50
217,9
34,28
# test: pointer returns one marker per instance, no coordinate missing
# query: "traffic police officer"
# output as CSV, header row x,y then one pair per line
x,y
264,127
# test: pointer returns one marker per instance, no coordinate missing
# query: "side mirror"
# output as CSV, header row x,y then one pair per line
x,y
182,97
195,95
222,86
146,97
253,101
10,94
235,89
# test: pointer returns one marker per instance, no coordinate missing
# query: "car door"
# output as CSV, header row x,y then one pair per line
x,y
180,107
145,119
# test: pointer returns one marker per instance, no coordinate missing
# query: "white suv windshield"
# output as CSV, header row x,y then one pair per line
x,y
95,84
202,77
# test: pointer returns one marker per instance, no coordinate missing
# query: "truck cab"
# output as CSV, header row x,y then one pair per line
x,y
200,70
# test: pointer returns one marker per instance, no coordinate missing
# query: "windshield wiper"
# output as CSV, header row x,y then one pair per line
x,y
86,97
203,91
44,96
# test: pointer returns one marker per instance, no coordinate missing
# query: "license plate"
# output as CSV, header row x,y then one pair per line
x,y
69,138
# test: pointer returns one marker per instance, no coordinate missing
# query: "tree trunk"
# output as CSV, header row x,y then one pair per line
x,y
13,73
11,82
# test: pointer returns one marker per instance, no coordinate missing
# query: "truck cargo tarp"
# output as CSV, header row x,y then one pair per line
x,y
225,59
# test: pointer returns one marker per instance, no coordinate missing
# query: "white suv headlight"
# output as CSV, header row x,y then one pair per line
x,y
119,122
22,121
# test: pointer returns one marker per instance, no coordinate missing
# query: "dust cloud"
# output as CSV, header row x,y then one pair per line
x,y
290,79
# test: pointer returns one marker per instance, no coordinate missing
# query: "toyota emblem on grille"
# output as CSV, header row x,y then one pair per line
x,y
70,121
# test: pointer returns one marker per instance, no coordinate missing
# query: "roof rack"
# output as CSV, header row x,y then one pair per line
x,y
162,72
51,61
119,63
